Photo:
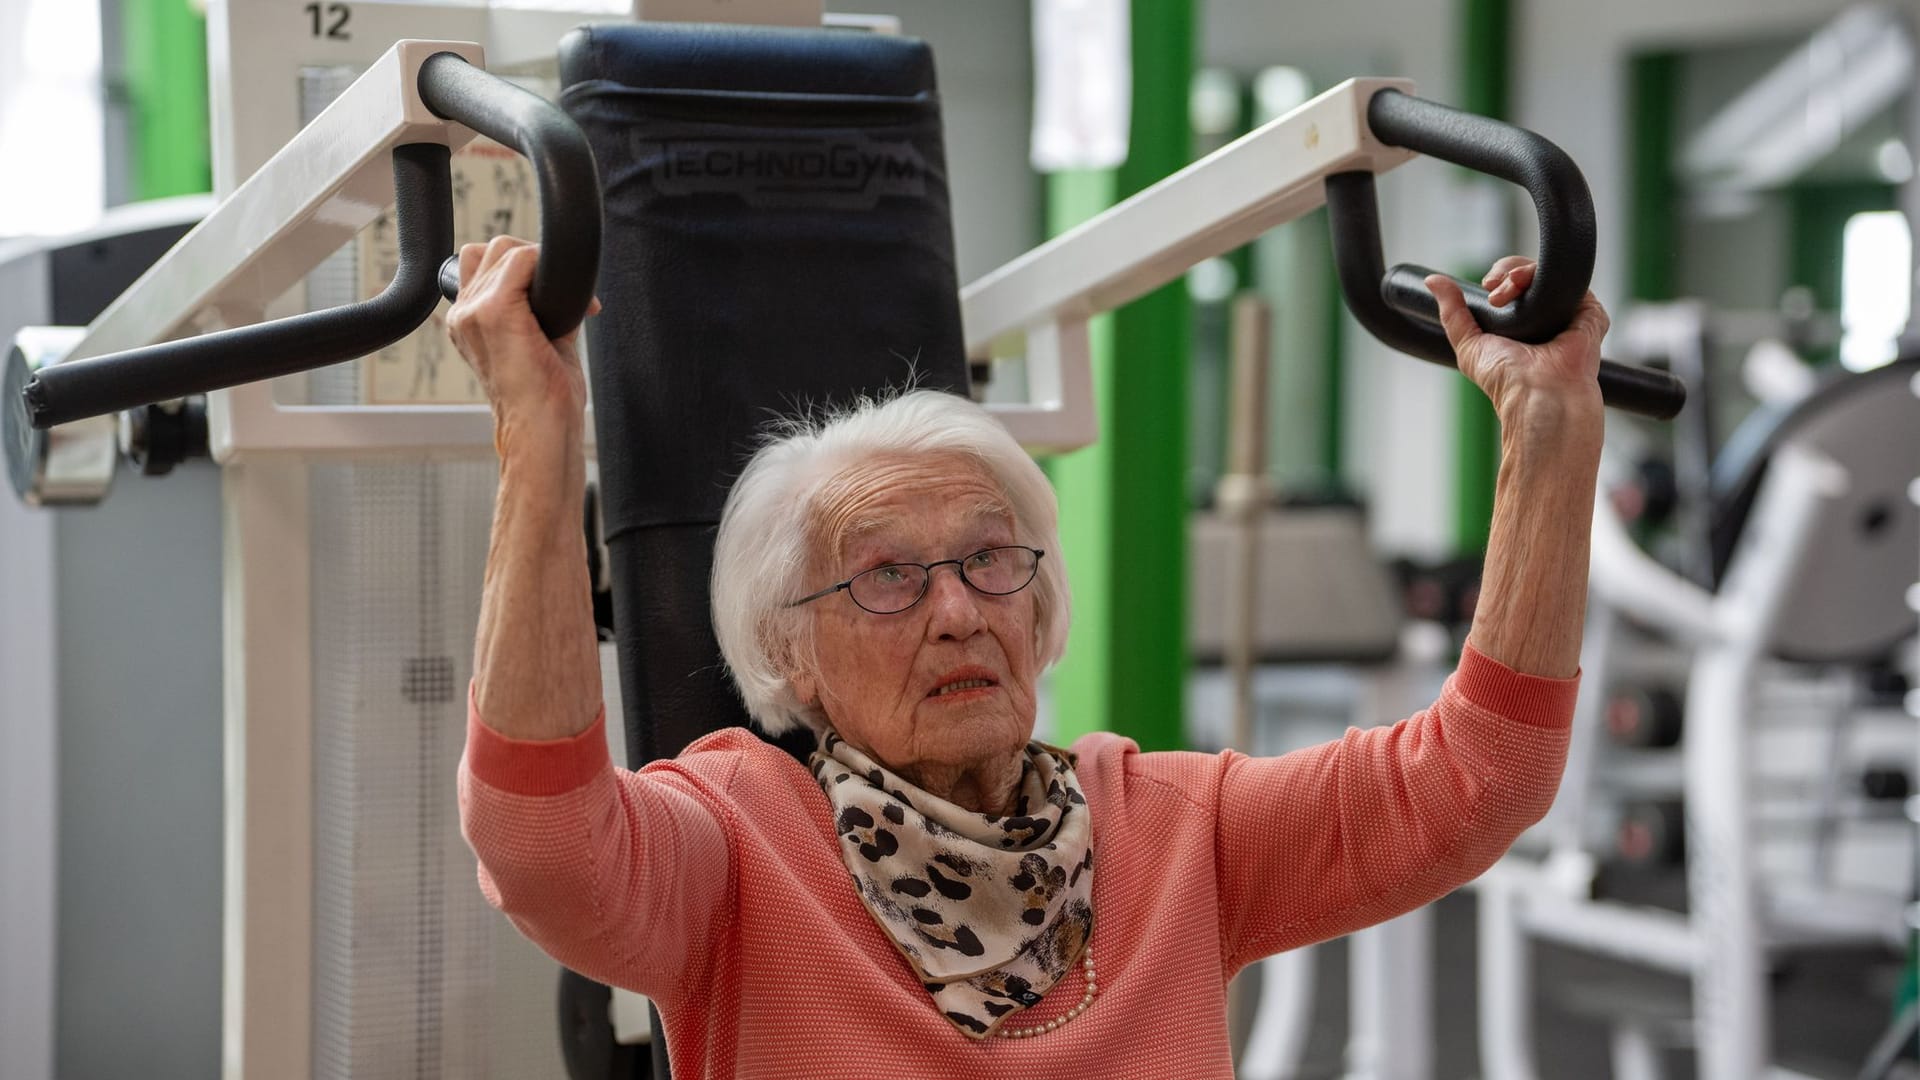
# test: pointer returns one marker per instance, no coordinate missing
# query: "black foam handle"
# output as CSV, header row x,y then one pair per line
x,y
1561,202
564,172
423,215
1645,391
1396,307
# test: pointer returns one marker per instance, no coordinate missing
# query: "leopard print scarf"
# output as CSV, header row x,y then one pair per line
x,y
989,911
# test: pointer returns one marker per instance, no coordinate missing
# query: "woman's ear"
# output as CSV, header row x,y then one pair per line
x,y
805,688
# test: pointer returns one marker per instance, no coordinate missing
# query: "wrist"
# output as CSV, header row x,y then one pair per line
x,y
1535,419
545,433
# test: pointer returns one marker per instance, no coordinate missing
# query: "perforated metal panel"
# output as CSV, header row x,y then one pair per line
x,y
414,974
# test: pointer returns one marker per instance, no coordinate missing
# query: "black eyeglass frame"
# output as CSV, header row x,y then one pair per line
x,y
926,583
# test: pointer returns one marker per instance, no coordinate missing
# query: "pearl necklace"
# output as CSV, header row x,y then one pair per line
x,y
1086,999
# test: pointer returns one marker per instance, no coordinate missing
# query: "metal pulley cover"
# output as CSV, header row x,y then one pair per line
x,y
67,465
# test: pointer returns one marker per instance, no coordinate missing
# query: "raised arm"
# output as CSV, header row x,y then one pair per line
x,y
536,661
1360,830
1533,587
620,876
615,874
1337,837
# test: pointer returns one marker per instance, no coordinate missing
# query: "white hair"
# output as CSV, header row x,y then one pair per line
x,y
769,533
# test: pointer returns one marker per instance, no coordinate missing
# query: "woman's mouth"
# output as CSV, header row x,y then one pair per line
x,y
961,686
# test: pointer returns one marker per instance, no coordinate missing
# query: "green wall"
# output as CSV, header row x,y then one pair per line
x,y
165,45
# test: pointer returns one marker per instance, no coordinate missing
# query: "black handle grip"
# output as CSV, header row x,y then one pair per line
x,y
562,290
423,215
1561,202
449,277
1404,288
1632,388
564,172
1396,307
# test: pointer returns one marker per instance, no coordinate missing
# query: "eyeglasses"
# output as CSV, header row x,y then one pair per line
x,y
895,587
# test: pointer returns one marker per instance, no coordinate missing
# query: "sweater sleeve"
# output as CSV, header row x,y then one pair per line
x,y
620,876
1334,838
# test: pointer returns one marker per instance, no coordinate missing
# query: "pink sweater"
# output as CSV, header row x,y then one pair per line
x,y
713,884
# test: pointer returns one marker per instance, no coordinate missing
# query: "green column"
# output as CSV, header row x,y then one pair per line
x,y
166,68
1123,506
1653,236
1484,62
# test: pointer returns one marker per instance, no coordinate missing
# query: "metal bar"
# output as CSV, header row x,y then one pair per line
x,y
1262,179
1730,989
302,205
1391,999
1626,578
98,385
1635,1055
1395,306
1563,209
1243,495
1284,1019
564,171
266,989
1659,939
1506,977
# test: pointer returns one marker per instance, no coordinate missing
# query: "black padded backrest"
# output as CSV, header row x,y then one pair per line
x,y
777,232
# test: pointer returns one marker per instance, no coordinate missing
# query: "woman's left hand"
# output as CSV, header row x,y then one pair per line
x,y
1514,375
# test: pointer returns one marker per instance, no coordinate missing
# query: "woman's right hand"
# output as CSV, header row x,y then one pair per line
x,y
530,382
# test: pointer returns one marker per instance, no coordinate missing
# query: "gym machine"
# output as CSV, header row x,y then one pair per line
x,y
1806,535
356,530
67,280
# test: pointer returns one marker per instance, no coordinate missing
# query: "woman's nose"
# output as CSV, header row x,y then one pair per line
x,y
955,607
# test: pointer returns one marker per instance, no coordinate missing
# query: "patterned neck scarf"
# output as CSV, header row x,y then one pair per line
x,y
989,911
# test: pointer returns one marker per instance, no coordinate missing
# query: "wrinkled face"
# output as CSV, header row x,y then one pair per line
x,y
880,677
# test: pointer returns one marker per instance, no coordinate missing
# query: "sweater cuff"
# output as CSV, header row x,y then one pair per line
x,y
535,766
1528,699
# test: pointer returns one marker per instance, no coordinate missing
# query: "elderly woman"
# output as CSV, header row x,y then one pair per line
x,y
940,895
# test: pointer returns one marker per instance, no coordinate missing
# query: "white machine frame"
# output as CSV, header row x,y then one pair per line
x,y
1722,943
329,180
292,195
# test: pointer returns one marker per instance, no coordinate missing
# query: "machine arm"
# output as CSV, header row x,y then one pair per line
x,y
1395,306
453,90
564,171
1327,150
78,389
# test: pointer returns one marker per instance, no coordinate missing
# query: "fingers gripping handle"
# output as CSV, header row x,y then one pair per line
x,y
564,171
1644,391
1397,308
